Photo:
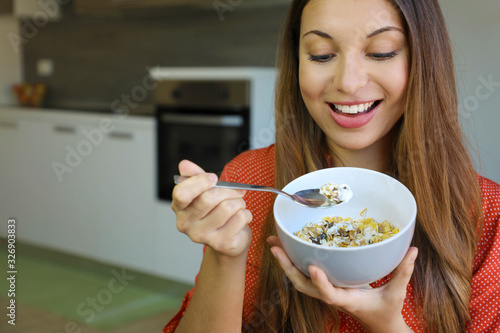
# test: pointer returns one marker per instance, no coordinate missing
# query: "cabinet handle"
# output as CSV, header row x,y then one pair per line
x,y
121,135
8,124
64,129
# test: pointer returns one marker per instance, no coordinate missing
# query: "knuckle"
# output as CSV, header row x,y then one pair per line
x,y
243,215
248,214
182,226
328,299
207,198
242,203
197,237
222,245
228,207
179,197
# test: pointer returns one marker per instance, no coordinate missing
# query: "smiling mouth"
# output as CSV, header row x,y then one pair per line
x,y
354,110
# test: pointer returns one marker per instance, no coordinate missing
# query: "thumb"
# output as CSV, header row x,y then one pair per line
x,y
400,277
188,168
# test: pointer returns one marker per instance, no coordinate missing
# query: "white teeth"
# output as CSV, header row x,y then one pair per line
x,y
353,108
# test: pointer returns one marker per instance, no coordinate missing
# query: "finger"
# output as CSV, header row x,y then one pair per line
x,y
217,204
235,233
200,217
401,276
299,280
274,241
188,168
219,209
236,223
184,193
325,290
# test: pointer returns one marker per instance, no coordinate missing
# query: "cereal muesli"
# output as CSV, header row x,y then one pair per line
x,y
347,232
336,193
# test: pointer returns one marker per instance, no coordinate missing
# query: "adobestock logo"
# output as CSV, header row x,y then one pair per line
x,y
92,305
74,157
49,9
222,6
88,309
483,91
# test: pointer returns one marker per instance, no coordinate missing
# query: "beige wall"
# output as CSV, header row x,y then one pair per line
x,y
10,60
474,28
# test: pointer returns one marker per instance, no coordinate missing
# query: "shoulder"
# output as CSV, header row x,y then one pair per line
x,y
252,166
490,192
488,186
486,280
489,244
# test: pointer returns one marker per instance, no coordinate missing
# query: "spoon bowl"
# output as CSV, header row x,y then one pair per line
x,y
310,198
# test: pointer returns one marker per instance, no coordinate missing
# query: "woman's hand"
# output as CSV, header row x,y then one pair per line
x,y
216,217
377,309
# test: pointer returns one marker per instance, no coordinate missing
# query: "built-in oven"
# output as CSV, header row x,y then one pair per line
x,y
204,121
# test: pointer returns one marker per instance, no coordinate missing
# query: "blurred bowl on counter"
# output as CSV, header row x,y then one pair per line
x,y
30,94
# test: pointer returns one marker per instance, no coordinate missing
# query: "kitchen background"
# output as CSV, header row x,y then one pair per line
x,y
102,222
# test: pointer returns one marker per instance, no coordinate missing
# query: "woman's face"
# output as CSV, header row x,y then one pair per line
x,y
353,69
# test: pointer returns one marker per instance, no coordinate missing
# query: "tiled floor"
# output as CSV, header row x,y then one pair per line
x,y
50,286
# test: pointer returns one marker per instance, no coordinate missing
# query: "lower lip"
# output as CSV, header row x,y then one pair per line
x,y
352,120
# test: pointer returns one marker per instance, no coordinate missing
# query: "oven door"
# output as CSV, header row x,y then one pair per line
x,y
207,139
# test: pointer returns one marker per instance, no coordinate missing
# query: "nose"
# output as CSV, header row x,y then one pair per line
x,y
350,75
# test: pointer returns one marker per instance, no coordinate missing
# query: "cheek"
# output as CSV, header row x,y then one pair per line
x,y
395,81
312,83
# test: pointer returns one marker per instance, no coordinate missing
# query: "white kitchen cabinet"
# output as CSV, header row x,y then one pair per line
x,y
105,208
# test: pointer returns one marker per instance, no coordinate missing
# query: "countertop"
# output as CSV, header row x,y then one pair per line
x,y
62,116
146,110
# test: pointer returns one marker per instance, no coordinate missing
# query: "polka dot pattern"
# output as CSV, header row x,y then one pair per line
x,y
257,167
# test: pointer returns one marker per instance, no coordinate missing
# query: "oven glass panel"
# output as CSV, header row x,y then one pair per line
x,y
208,142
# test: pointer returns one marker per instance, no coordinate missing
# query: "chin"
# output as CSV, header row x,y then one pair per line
x,y
351,145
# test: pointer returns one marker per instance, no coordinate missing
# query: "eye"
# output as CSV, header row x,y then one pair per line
x,y
320,58
382,56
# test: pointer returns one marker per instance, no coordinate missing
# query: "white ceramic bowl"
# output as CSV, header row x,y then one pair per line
x,y
384,197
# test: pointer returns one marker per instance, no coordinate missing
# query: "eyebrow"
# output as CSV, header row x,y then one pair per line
x,y
370,35
384,29
319,33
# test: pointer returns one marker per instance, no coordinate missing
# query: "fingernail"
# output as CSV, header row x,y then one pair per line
x,y
273,251
414,256
213,177
313,273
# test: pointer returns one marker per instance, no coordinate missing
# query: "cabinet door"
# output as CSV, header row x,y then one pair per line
x,y
25,168
70,185
12,168
124,164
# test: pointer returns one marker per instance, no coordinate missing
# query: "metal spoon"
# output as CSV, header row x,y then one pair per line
x,y
309,198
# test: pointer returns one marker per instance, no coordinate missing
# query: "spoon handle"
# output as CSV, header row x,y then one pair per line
x,y
240,186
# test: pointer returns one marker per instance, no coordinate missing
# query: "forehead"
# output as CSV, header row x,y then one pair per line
x,y
349,16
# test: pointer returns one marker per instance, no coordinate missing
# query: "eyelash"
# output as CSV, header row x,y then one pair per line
x,y
375,56
383,56
320,58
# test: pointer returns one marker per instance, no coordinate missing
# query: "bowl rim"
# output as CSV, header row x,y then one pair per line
x,y
358,248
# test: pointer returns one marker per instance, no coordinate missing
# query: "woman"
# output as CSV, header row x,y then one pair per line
x,y
367,84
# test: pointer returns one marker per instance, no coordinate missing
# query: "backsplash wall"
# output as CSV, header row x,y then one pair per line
x,y
97,60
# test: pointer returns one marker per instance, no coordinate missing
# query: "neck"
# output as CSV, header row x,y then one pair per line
x,y
377,157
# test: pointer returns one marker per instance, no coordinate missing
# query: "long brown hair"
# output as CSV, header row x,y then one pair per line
x,y
430,158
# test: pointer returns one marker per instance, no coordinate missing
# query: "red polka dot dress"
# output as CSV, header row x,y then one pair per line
x,y
257,167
